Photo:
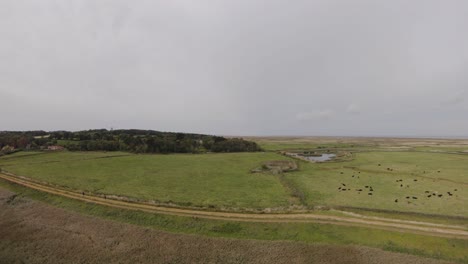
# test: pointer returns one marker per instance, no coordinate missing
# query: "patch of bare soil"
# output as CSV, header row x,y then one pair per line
x,y
277,166
33,232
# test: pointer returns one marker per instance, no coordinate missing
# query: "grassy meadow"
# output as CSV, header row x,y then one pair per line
x,y
201,180
412,181
400,175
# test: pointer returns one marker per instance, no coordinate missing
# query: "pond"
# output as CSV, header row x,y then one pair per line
x,y
321,158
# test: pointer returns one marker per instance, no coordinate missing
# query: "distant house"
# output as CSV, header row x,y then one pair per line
x,y
7,148
45,136
55,148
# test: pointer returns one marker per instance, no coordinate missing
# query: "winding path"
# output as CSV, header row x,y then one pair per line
x,y
405,226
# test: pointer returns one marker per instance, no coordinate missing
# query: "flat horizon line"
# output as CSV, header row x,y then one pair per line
x,y
347,136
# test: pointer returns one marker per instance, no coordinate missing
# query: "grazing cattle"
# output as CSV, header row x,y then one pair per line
x,y
415,180
366,186
380,165
369,194
414,197
339,188
407,197
371,189
341,172
440,195
438,171
353,176
429,196
401,185
396,200
359,172
427,192
455,190
343,184
359,190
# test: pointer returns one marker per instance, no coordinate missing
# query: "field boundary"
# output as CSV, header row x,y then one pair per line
x,y
404,226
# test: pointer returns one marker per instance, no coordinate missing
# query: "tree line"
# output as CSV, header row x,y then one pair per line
x,y
131,140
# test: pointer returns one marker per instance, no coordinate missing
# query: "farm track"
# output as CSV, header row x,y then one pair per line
x,y
423,228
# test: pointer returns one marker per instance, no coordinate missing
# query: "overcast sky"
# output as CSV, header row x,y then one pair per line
x,y
239,67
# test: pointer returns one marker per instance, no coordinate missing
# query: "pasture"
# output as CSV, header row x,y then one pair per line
x,y
210,180
435,183
426,182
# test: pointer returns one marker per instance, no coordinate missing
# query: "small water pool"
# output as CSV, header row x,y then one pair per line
x,y
321,158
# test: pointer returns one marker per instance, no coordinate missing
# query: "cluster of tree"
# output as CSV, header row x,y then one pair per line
x,y
21,140
133,140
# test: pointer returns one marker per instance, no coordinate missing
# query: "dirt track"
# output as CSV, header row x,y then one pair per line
x,y
380,223
33,232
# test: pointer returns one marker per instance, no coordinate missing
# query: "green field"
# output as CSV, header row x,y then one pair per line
x,y
225,180
320,182
221,180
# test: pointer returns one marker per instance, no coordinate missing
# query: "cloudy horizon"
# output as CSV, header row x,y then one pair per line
x,y
258,68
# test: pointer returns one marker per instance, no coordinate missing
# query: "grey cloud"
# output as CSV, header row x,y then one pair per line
x,y
455,99
319,115
263,67
353,109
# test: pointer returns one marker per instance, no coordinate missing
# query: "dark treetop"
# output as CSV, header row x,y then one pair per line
x,y
132,140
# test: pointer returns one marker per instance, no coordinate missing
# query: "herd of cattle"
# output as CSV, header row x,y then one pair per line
x,y
370,190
